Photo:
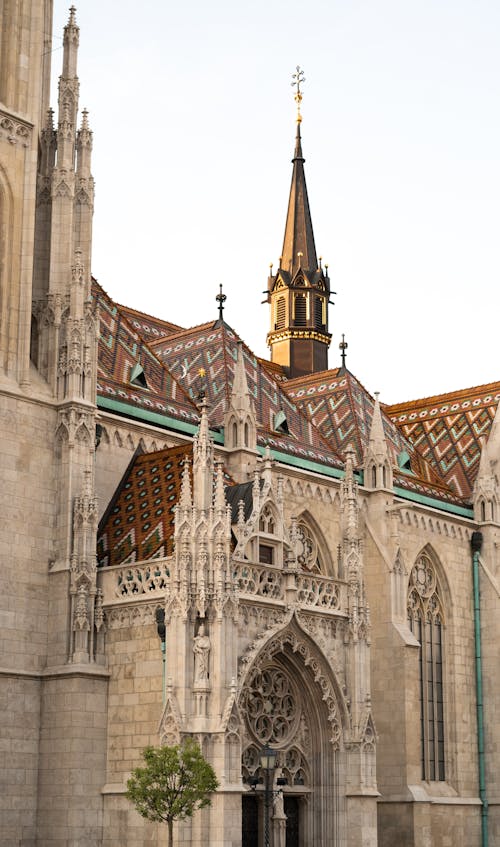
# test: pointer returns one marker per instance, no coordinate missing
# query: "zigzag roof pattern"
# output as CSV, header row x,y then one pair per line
x,y
324,411
120,350
213,348
447,430
147,326
342,408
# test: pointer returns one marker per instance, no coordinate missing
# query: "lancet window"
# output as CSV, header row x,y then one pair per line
x,y
280,313
300,310
425,619
318,312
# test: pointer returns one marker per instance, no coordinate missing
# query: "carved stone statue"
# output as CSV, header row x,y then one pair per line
x,y
201,650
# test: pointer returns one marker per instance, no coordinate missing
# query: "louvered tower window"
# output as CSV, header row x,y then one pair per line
x,y
318,312
425,620
280,313
300,310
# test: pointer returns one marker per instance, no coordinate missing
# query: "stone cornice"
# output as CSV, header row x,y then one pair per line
x,y
57,671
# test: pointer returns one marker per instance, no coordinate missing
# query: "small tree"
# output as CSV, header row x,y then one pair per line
x,y
175,782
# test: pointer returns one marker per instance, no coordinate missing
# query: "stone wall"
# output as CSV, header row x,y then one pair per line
x,y
27,498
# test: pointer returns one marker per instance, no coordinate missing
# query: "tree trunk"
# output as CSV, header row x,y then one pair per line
x,y
170,833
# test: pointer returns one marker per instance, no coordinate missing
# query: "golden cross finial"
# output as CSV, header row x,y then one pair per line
x,y
298,79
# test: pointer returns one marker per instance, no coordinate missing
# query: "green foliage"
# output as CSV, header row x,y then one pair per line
x,y
174,783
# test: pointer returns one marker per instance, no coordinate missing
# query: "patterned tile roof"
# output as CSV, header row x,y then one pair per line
x,y
446,430
139,522
147,326
213,348
120,350
341,407
324,411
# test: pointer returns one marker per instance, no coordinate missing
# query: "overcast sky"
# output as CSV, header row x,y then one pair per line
x,y
194,122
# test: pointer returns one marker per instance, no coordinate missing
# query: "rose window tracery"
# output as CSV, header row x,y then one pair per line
x,y
271,707
423,577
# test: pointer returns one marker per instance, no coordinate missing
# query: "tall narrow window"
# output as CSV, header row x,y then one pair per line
x,y
425,619
318,312
300,310
280,313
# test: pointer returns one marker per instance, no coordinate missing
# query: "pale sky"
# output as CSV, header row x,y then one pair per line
x,y
194,122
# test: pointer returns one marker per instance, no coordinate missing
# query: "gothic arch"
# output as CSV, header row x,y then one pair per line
x,y
290,698
427,615
316,553
308,661
443,584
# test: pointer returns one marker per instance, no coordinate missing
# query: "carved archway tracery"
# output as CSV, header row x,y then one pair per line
x,y
265,675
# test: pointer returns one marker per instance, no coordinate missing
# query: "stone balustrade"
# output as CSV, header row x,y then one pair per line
x,y
141,580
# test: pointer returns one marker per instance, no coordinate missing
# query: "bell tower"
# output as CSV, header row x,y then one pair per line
x,y
299,292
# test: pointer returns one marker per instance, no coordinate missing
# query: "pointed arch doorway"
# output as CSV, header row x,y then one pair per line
x,y
290,702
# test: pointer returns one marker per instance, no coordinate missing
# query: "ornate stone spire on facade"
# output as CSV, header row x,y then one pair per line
x,y
240,425
201,600
69,88
65,202
186,501
203,462
84,196
486,487
359,615
299,292
377,465
83,588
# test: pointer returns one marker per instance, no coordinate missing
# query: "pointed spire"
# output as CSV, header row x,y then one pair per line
x,y
377,465
299,293
219,494
299,235
203,462
70,42
84,147
267,466
240,394
240,425
68,95
185,498
377,440
349,496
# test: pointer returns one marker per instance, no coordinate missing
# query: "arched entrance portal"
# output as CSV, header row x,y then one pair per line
x,y
290,701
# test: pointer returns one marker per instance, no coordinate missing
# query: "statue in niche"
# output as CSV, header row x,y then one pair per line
x,y
201,650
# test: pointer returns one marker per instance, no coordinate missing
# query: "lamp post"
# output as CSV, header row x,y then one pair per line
x,y
267,763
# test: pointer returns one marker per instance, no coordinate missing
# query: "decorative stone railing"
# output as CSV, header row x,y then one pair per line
x,y
150,579
258,580
141,579
319,593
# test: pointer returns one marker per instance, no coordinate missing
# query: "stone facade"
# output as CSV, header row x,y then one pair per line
x,y
312,601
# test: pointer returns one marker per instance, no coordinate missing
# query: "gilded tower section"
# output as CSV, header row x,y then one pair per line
x,y
299,291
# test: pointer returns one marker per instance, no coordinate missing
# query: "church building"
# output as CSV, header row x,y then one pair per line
x,y
197,542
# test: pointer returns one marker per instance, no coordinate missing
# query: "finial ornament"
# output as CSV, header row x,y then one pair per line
x,y
221,298
343,347
298,79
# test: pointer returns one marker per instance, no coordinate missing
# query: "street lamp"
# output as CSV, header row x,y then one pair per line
x,y
267,763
